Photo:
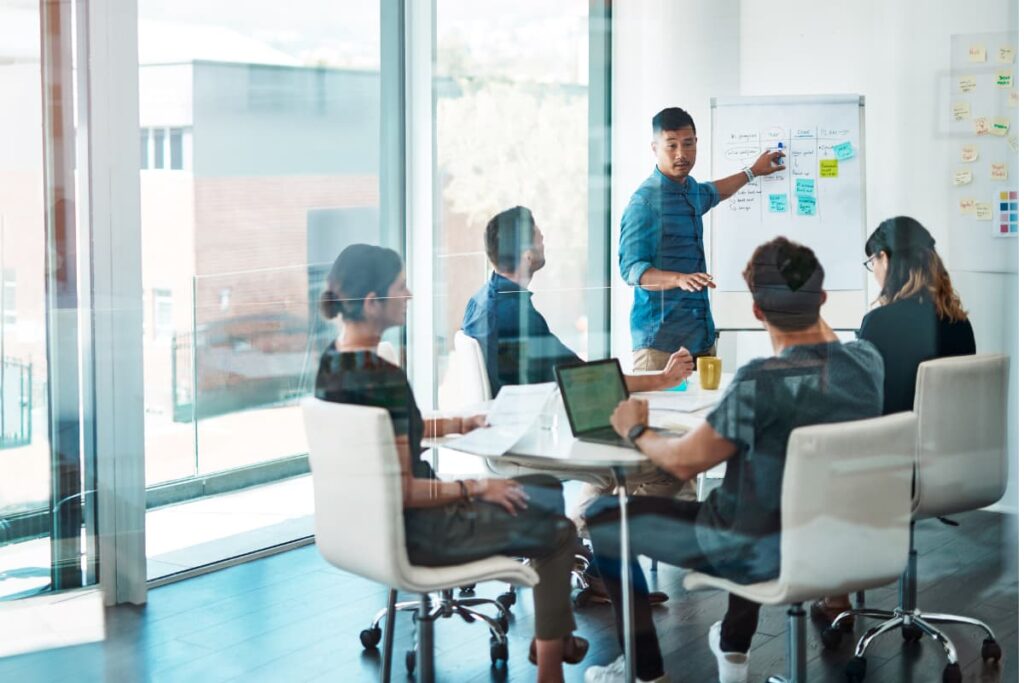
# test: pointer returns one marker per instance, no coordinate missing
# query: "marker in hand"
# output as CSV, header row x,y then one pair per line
x,y
778,160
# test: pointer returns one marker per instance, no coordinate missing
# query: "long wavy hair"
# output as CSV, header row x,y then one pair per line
x,y
915,268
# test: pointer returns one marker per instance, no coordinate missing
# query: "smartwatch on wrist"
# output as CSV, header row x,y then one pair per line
x,y
635,432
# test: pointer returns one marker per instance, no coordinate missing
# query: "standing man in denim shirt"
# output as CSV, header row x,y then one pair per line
x,y
661,244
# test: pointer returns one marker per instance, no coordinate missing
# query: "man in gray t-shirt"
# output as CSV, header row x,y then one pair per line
x,y
812,379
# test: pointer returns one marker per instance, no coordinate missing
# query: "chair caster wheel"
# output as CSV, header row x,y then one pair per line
x,y
990,650
410,661
856,670
499,651
502,623
467,590
951,674
369,637
911,634
506,600
831,637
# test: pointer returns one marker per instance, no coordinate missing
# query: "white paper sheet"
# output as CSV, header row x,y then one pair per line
x,y
513,414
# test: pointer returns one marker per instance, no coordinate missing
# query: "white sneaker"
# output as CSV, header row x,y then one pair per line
x,y
614,673
732,666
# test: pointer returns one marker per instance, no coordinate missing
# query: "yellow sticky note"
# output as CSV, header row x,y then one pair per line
x,y
961,110
977,54
983,211
962,176
1004,79
968,83
1004,195
1007,53
981,125
999,172
1000,126
966,206
828,168
969,153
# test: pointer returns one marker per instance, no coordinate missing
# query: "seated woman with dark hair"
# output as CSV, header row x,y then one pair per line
x,y
446,522
919,318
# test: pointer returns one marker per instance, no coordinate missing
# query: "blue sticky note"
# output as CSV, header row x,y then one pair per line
x,y
681,387
778,203
805,186
806,205
1004,206
844,151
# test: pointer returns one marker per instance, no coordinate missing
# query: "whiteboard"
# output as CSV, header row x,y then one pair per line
x,y
818,200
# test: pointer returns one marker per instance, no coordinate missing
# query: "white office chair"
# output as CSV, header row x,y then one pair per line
x,y
845,520
961,464
360,529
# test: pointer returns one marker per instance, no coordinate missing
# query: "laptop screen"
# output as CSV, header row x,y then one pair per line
x,y
590,392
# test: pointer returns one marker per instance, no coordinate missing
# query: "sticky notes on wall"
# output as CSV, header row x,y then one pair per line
x,y
962,176
778,203
1000,126
983,211
806,205
1007,220
805,186
1006,54
961,110
969,153
967,206
968,83
982,125
999,172
828,168
843,151
977,54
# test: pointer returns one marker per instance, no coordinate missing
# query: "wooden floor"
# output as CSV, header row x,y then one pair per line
x,y
292,617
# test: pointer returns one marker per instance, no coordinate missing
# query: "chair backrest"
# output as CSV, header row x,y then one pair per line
x,y
474,385
357,489
846,505
386,350
961,408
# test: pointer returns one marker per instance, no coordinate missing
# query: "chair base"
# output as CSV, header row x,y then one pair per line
x,y
796,652
428,609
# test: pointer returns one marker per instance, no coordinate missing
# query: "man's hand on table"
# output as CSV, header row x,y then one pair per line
x,y
628,414
679,367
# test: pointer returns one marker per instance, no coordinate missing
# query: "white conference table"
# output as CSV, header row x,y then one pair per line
x,y
556,449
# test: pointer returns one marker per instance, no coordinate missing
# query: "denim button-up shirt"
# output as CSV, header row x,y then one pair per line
x,y
518,345
662,228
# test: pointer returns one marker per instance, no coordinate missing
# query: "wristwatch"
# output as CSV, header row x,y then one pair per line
x,y
749,173
635,432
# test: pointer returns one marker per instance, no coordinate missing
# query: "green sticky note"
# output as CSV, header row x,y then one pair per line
x,y
778,203
828,168
805,186
843,151
806,206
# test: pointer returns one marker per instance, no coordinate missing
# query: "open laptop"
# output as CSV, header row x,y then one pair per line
x,y
590,392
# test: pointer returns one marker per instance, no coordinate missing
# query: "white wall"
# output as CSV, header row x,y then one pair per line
x,y
896,54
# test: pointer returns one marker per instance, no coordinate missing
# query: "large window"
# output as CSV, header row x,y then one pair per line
x,y
270,119
512,92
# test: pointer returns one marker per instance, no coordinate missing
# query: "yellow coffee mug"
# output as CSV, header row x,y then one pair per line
x,y
710,370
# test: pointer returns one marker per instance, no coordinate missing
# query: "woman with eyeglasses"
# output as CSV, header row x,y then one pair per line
x,y
450,522
919,318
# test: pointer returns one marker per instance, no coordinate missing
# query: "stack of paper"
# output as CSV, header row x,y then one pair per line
x,y
514,412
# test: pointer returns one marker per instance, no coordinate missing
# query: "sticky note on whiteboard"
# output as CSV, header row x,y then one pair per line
x,y
983,211
967,206
977,54
968,83
1000,126
778,203
806,205
961,110
843,151
805,186
969,153
982,125
962,176
999,172
1006,55
828,168
1004,79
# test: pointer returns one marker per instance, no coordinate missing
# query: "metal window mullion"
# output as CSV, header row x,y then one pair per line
x,y
599,192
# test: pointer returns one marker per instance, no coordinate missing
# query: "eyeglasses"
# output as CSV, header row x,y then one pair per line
x,y
869,265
